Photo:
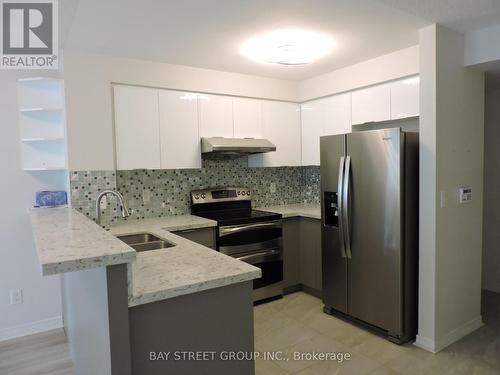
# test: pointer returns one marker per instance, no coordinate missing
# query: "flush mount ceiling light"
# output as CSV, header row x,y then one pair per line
x,y
287,47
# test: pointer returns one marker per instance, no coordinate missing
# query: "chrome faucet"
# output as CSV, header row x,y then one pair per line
x,y
121,202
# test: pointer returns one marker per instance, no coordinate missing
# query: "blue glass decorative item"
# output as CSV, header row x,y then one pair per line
x,y
51,198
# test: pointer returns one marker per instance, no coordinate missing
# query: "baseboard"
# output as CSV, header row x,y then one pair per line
x,y
494,289
439,344
313,292
302,288
425,343
30,328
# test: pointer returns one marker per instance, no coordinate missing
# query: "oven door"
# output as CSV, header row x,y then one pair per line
x,y
237,240
271,264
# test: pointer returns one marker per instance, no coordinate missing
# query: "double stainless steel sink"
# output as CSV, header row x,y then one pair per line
x,y
145,242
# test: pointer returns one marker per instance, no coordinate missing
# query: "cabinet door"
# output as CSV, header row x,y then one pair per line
x,y
312,129
371,104
203,236
405,98
180,138
291,252
310,253
247,116
281,126
136,128
336,112
216,116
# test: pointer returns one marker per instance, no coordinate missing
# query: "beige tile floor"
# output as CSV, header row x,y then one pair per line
x,y
296,323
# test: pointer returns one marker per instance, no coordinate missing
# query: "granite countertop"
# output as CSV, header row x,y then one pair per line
x,y
186,268
312,211
67,240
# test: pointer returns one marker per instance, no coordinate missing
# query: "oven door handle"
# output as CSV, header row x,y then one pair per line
x,y
243,228
261,257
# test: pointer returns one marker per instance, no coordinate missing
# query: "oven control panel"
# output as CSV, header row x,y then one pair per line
x,y
223,194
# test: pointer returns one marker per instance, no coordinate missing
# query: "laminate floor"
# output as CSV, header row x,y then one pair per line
x,y
296,324
40,354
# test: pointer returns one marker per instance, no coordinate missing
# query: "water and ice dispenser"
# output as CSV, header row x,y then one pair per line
x,y
331,209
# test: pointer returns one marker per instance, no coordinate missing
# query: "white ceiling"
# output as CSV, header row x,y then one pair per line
x,y
459,15
208,33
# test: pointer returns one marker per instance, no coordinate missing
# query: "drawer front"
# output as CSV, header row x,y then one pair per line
x,y
203,236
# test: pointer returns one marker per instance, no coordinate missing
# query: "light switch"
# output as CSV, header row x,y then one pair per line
x,y
464,195
444,198
146,195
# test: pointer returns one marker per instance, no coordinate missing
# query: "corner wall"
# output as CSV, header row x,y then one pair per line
x,y
491,216
451,126
19,267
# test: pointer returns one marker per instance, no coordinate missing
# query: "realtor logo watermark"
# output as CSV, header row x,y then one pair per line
x,y
29,34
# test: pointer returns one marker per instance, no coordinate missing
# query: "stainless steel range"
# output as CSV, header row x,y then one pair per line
x,y
252,236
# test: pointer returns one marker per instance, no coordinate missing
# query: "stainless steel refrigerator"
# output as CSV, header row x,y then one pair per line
x,y
369,202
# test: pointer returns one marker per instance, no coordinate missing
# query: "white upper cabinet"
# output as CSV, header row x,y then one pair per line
x,y
405,98
216,115
336,112
327,116
137,128
371,104
179,133
281,126
247,117
312,129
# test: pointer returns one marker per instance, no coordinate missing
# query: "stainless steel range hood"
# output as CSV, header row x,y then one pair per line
x,y
235,146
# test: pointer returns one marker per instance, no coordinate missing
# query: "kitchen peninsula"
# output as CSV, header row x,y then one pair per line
x,y
120,305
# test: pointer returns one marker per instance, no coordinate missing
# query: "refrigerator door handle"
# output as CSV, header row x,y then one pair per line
x,y
340,205
345,207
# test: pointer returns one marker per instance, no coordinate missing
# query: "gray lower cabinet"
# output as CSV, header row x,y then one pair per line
x,y
310,253
203,236
215,321
302,254
107,337
291,252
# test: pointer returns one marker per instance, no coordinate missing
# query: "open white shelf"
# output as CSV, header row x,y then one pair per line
x,y
25,110
42,125
35,169
39,80
48,139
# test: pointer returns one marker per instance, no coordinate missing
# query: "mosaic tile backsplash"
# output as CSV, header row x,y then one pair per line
x,y
157,193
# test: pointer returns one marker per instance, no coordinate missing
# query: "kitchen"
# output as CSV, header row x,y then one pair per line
x,y
204,158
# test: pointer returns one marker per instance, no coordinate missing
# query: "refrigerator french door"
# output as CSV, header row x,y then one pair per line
x,y
369,196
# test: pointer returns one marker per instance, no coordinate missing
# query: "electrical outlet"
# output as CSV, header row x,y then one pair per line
x,y
163,205
273,187
146,195
104,203
16,297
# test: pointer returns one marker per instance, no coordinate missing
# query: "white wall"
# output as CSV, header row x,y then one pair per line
x,y
385,68
481,46
427,202
491,215
88,97
451,129
19,267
